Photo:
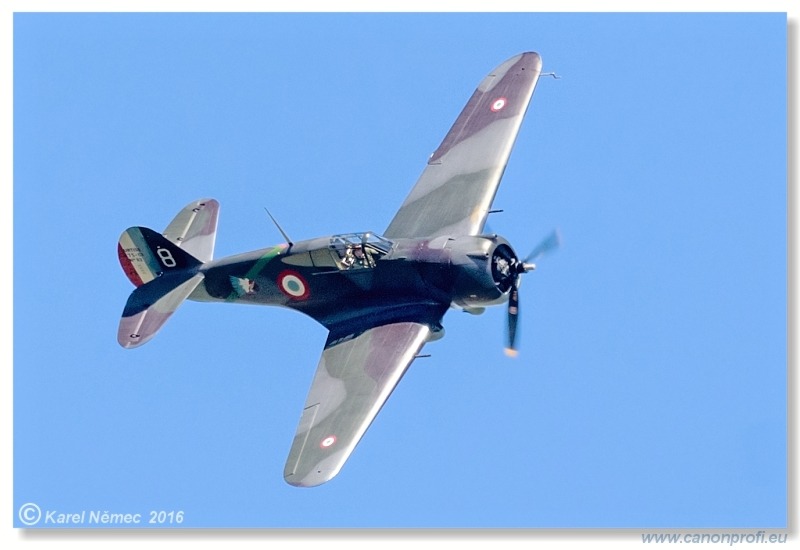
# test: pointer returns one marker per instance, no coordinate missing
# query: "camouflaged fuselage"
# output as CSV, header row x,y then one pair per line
x,y
381,298
413,278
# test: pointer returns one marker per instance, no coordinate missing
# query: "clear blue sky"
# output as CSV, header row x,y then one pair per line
x,y
650,390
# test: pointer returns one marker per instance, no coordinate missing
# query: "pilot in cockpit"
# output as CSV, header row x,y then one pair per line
x,y
355,256
349,258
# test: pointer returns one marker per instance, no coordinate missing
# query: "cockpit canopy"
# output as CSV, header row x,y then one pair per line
x,y
359,250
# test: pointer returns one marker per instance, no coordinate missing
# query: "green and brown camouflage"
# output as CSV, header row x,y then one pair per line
x,y
381,297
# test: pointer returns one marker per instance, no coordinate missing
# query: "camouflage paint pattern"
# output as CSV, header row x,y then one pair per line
x,y
380,300
353,380
140,327
455,191
195,228
171,276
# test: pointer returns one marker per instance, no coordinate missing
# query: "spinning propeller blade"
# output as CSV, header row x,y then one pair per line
x,y
511,327
548,244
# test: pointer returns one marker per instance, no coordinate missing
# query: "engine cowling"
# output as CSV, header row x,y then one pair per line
x,y
486,270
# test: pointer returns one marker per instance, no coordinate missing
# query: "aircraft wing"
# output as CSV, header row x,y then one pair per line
x,y
354,378
455,191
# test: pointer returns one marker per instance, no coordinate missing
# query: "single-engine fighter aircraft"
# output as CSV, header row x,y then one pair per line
x,y
381,296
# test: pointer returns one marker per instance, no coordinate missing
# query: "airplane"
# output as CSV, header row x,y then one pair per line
x,y
382,297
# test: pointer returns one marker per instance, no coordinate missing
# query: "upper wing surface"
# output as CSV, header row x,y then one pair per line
x,y
455,191
354,378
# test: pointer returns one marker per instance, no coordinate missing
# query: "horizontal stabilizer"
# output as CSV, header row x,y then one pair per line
x,y
150,305
164,274
194,229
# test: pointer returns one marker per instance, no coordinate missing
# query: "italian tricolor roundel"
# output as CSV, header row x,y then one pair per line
x,y
293,285
498,104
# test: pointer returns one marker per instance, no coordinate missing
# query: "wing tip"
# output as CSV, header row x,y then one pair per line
x,y
314,479
303,474
529,59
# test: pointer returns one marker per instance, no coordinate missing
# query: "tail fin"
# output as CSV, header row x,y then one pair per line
x,y
194,230
165,276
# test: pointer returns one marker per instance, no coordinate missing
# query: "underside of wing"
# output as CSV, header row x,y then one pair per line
x,y
355,376
455,191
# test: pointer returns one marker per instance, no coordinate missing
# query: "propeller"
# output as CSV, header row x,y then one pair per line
x,y
548,244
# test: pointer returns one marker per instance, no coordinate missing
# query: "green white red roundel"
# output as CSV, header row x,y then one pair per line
x,y
498,104
293,285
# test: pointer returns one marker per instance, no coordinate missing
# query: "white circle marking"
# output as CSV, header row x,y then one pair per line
x,y
498,104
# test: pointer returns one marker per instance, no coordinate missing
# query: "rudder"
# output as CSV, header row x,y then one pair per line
x,y
145,254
